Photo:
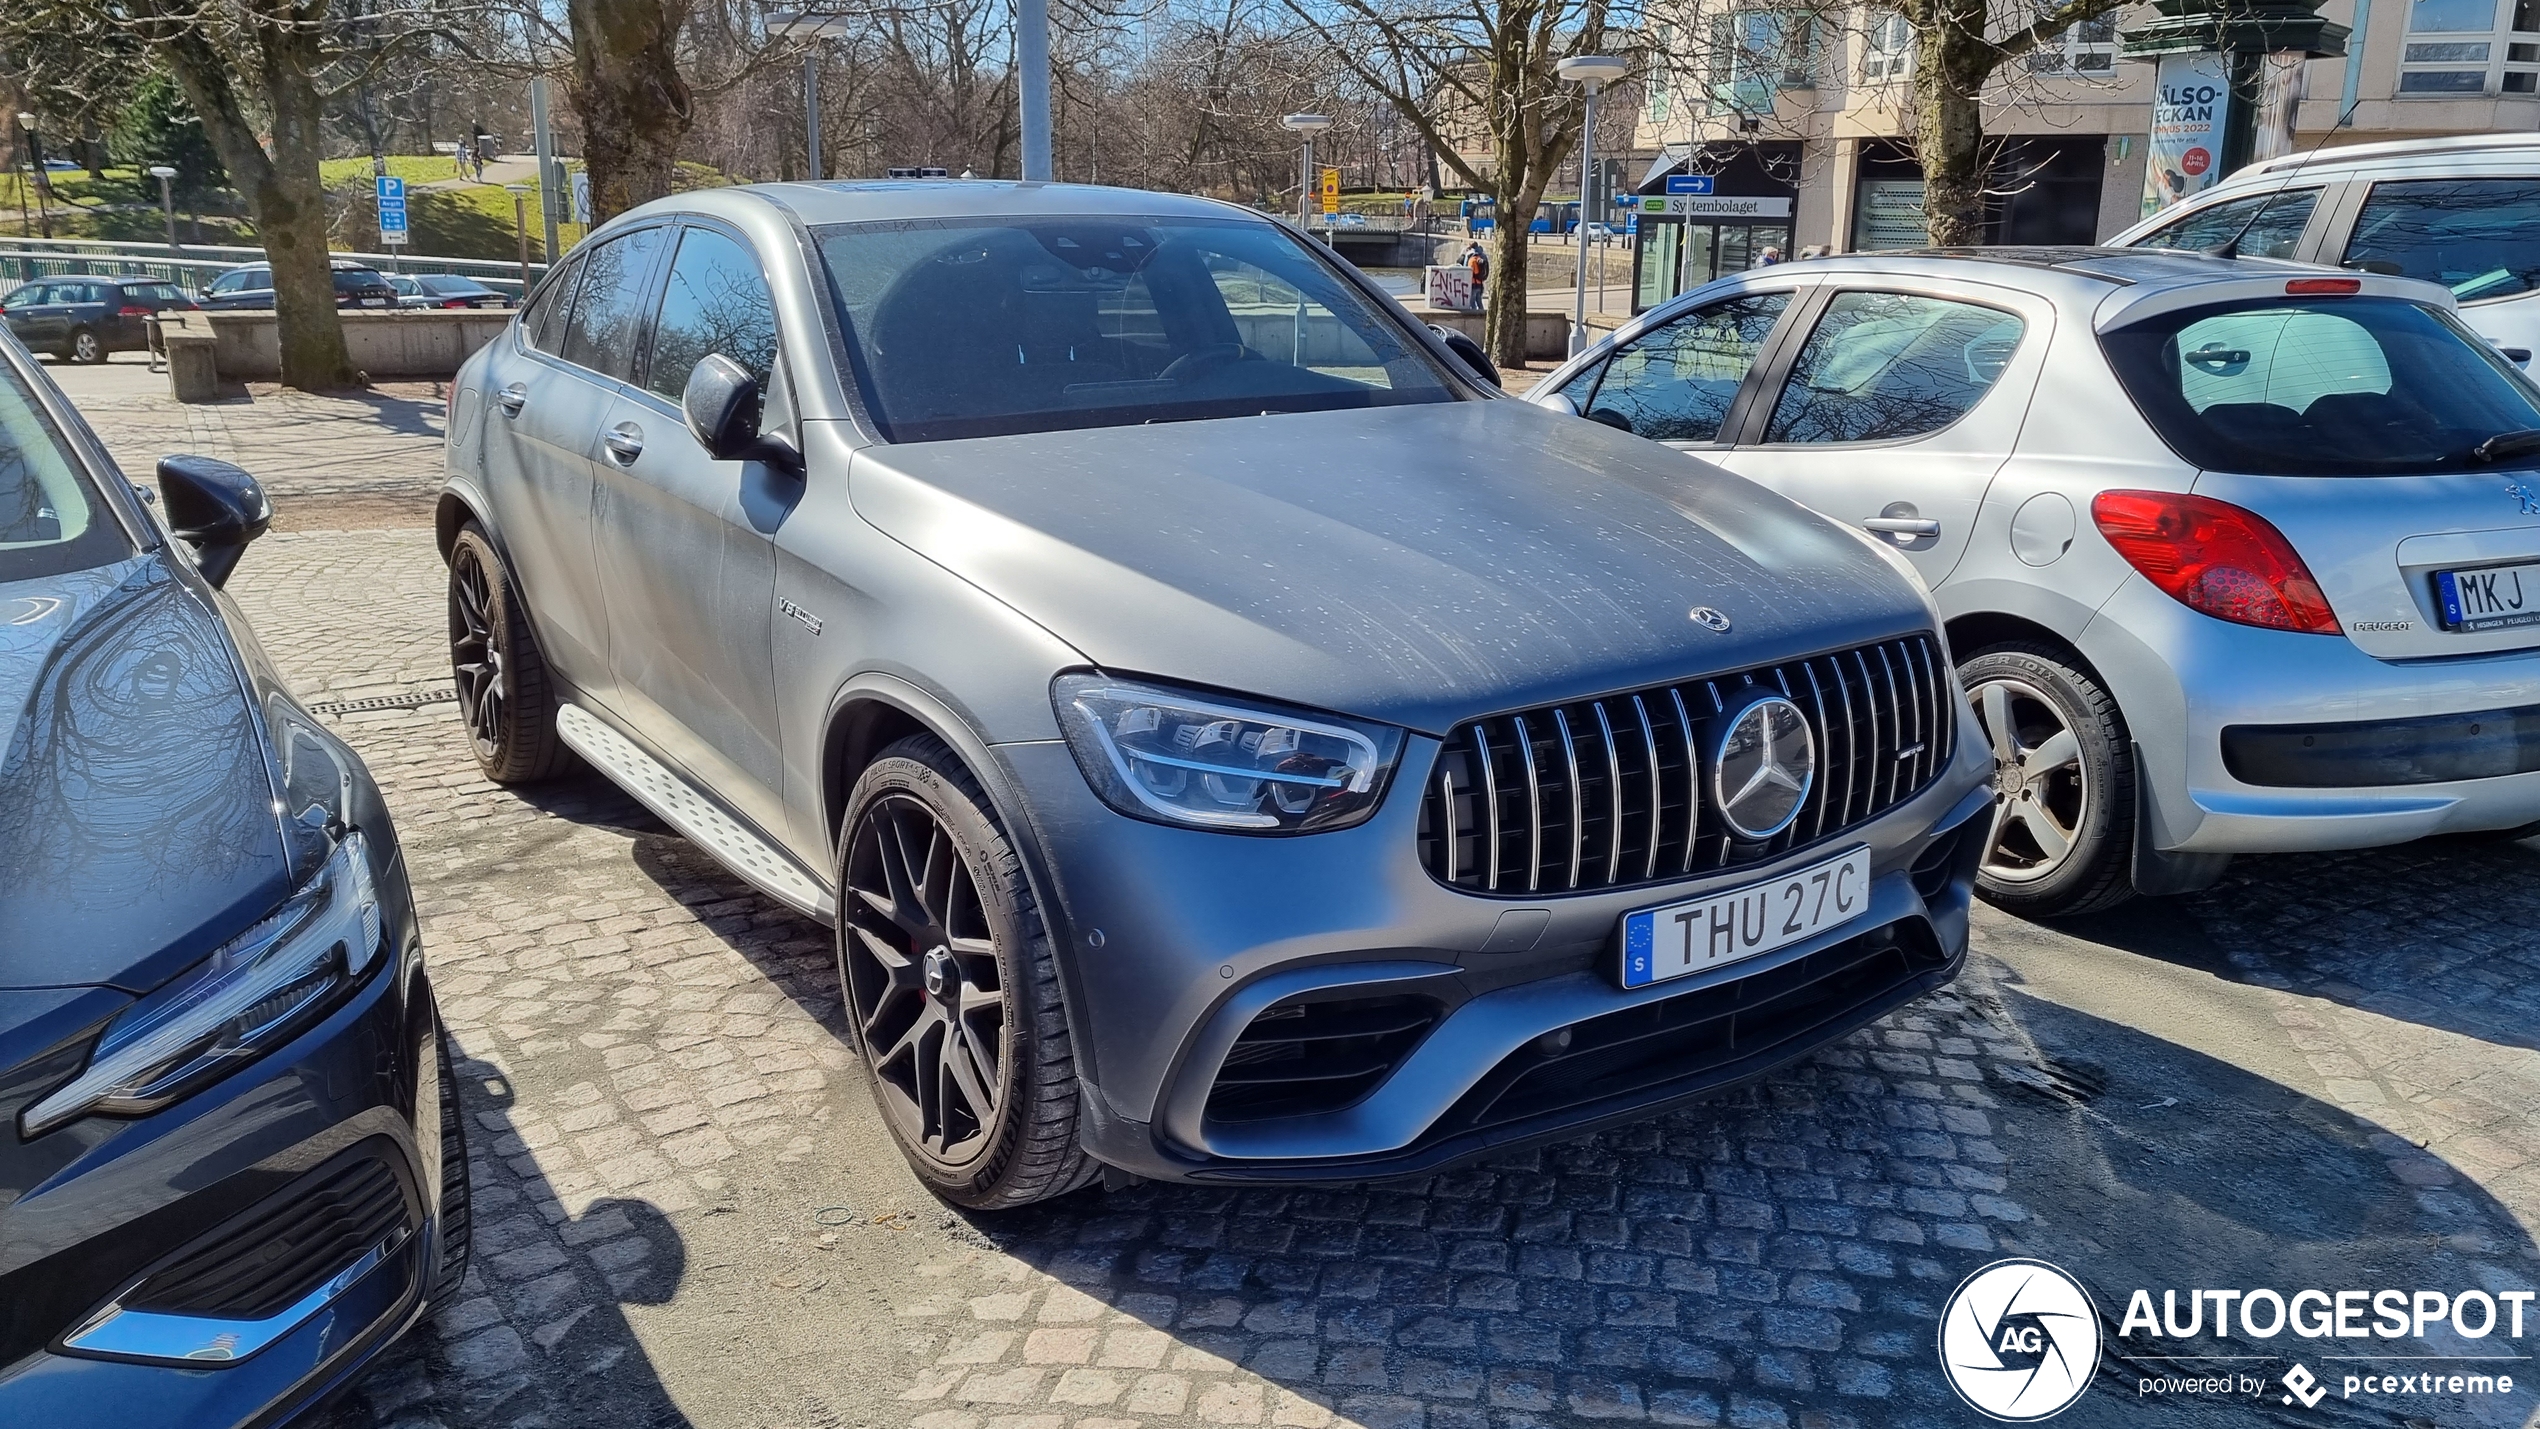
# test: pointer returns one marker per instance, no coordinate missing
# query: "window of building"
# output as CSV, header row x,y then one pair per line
x,y
2456,47
1887,51
1757,53
2088,49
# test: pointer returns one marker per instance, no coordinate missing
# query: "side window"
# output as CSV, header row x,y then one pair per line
x,y
716,301
2478,237
1882,367
543,324
26,295
608,315
2279,220
1676,383
227,283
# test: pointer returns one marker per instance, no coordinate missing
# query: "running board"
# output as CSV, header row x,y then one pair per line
x,y
758,863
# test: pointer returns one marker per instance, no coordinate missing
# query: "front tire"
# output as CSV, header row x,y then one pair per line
x,y
952,988
2062,837
506,697
85,347
458,1221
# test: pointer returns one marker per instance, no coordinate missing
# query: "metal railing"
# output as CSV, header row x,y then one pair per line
x,y
192,266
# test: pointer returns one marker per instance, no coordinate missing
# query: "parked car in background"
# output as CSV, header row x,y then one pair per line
x,y
82,319
233,1168
2232,552
250,287
2463,212
1231,742
444,290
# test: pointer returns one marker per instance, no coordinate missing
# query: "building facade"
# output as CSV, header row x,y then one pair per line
x,y
1799,124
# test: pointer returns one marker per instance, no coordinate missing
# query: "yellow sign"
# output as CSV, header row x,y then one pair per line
x,y
1331,191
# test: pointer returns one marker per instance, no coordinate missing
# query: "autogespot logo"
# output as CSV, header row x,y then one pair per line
x,y
2019,1340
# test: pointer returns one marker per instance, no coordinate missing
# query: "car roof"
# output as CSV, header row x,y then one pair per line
x,y
2476,149
864,200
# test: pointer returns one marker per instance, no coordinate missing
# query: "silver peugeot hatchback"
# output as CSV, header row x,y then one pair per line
x,y
1230,742
2236,556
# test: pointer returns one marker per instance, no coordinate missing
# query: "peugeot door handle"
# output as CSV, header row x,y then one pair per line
x,y
1906,526
512,399
625,441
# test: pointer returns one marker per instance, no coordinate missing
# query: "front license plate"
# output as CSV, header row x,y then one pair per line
x,y
1682,939
2489,598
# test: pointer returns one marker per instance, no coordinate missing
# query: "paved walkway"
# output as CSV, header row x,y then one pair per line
x,y
2323,1073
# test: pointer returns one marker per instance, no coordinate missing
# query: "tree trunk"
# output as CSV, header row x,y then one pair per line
x,y
627,91
1952,62
285,197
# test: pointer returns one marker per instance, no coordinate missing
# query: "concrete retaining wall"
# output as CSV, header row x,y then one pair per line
x,y
421,343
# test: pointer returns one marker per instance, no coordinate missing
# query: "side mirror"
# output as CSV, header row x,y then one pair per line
x,y
1470,352
721,403
1559,402
214,507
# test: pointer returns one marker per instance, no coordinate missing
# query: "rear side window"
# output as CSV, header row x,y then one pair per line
x,y
1884,367
2345,387
2274,222
608,313
544,323
1676,382
2478,237
716,301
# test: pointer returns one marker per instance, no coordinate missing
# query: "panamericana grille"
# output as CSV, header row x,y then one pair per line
x,y
266,1260
1298,1058
1610,792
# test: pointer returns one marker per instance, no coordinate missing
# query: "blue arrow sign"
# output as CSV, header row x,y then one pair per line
x,y
1689,183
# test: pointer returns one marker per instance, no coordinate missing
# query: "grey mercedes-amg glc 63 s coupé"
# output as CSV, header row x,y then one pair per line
x,y
1230,743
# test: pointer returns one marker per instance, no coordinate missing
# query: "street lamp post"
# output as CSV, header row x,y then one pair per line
x,y
35,173
1593,73
812,29
1305,126
520,225
167,198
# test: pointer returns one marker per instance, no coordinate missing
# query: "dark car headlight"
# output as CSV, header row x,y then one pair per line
x,y
254,993
1204,761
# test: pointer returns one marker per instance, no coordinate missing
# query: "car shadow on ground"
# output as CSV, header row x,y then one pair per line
x,y
563,1275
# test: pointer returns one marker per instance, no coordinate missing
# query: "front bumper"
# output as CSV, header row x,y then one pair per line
x,y
2188,682
110,1212
1173,941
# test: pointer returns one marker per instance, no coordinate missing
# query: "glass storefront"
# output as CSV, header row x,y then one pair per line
x,y
1678,254
1712,212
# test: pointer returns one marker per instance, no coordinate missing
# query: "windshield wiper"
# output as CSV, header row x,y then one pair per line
x,y
2505,444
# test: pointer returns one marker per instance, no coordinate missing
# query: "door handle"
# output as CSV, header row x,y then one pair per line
x,y
1905,526
625,441
512,399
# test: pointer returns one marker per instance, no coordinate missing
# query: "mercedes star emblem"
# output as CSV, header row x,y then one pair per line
x,y
1709,618
1763,768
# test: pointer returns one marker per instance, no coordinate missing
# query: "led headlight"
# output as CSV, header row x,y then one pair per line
x,y
1179,758
255,992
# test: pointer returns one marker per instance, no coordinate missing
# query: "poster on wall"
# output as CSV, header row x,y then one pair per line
x,y
1889,215
2190,105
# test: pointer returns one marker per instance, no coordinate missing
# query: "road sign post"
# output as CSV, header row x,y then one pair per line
x,y
392,211
1331,194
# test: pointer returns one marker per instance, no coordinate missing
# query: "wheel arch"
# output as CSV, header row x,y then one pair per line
x,y
1984,629
866,716
458,506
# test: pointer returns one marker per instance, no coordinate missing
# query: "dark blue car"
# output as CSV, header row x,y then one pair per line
x,y
231,1161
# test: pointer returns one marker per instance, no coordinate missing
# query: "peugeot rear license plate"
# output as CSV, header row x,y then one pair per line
x,y
2489,598
1681,939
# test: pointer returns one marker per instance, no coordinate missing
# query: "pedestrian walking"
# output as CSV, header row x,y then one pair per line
x,y
1477,263
1770,256
459,166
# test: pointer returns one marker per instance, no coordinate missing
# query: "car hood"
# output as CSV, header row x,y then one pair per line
x,y
1421,565
137,825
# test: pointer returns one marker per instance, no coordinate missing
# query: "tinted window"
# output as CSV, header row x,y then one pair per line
x,y
1887,366
608,315
2346,387
152,292
51,518
2279,218
2478,237
974,329
1675,384
27,295
543,324
716,301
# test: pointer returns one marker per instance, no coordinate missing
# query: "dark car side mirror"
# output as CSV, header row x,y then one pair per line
x,y
214,507
1470,352
721,403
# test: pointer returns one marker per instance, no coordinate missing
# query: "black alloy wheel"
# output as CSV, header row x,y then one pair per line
x,y
476,651
506,698
931,1010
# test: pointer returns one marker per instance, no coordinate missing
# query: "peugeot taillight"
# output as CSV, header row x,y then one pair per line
x,y
2215,557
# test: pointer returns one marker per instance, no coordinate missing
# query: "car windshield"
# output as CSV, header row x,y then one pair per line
x,y
2334,387
975,328
51,517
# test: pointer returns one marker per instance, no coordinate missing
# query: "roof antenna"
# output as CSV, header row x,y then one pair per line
x,y
2230,247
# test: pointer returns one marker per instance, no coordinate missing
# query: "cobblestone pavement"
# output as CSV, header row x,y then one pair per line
x,y
2323,1073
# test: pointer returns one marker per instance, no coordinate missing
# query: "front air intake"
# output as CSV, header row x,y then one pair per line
x,y
1299,1058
